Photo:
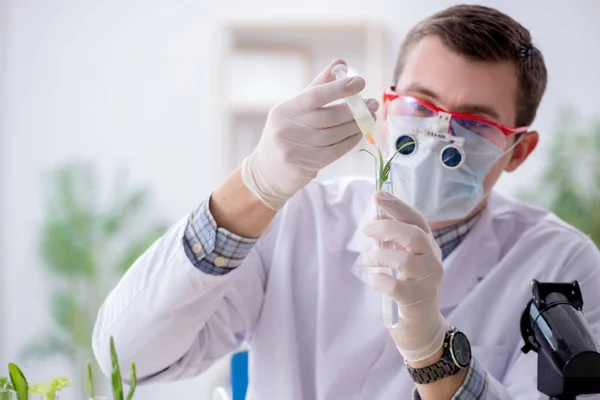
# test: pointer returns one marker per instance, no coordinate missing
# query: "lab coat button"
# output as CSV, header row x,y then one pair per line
x,y
197,248
219,262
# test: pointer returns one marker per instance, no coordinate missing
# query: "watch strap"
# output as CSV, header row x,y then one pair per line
x,y
440,370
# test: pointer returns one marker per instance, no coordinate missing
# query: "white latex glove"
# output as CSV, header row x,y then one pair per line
x,y
417,260
302,136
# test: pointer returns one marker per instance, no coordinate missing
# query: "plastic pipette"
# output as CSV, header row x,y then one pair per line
x,y
357,106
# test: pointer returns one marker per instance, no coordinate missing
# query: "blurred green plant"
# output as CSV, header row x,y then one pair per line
x,y
89,381
17,382
569,185
5,384
87,245
117,382
50,390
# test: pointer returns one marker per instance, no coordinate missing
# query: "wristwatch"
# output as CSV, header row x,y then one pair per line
x,y
456,357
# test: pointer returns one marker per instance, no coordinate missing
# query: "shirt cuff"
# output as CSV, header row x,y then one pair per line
x,y
212,249
474,387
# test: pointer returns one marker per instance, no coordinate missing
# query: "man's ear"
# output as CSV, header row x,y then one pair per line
x,y
527,143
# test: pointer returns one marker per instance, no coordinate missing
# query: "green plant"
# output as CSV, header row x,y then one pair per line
x,y
384,167
49,390
117,383
19,384
569,184
86,244
5,387
89,380
5,384
115,377
18,381
6,394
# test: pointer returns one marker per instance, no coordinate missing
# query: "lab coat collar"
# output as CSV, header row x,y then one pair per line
x,y
471,261
464,267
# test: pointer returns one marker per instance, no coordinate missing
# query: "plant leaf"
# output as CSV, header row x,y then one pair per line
x,y
380,166
40,388
5,384
19,382
50,390
384,167
56,385
6,395
368,152
117,384
388,164
133,383
89,380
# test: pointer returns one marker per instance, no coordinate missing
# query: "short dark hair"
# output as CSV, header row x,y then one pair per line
x,y
485,34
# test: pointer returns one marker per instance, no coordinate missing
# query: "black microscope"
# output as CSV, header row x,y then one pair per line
x,y
553,326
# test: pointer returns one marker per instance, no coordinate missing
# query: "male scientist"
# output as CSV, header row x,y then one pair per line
x,y
268,258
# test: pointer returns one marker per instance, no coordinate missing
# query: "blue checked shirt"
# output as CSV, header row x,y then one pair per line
x,y
212,249
475,386
449,238
216,251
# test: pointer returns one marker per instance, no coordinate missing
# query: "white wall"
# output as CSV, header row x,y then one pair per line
x,y
3,42
133,81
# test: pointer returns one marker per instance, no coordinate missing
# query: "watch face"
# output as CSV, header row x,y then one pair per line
x,y
460,350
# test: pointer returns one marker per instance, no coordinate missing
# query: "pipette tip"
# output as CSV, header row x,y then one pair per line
x,y
370,138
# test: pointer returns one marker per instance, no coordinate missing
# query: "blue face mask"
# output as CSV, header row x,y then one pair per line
x,y
423,181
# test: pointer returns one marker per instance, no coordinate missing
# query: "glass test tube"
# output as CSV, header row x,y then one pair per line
x,y
389,308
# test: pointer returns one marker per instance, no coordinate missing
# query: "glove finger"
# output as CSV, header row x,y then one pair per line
x,y
312,138
339,149
313,158
334,115
331,136
326,75
400,211
408,236
321,95
408,266
409,293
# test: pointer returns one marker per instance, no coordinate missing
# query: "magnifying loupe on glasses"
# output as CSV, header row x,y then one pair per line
x,y
452,155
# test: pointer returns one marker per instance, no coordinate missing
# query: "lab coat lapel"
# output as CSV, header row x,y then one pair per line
x,y
348,361
469,262
358,241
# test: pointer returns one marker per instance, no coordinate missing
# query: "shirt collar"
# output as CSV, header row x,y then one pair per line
x,y
450,237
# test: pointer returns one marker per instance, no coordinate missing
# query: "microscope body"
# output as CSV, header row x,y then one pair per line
x,y
553,326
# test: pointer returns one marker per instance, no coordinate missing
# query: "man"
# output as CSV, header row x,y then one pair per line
x,y
467,84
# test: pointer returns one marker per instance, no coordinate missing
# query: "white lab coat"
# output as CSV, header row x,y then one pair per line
x,y
313,328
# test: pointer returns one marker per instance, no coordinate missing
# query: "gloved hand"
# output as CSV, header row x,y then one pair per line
x,y
302,136
417,260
